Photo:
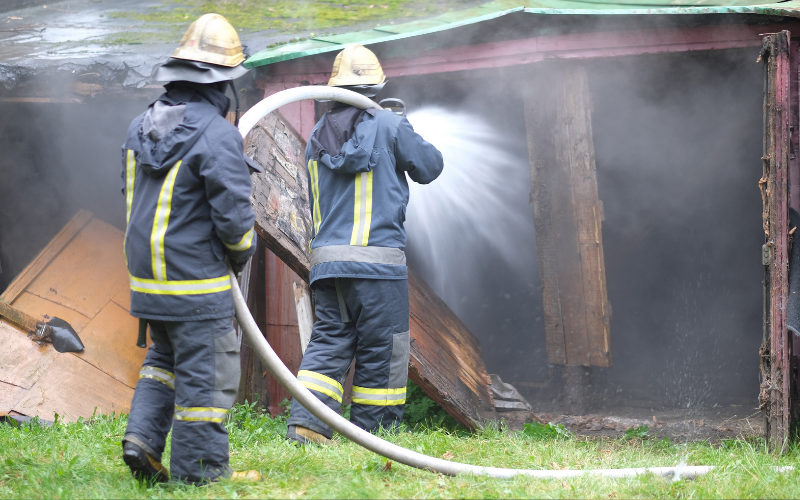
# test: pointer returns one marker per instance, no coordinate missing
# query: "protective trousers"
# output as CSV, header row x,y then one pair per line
x,y
188,381
366,319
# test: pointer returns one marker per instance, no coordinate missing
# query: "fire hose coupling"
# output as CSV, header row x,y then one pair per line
x,y
396,106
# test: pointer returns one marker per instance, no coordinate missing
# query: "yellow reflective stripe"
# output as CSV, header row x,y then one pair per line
x,y
130,178
314,387
367,390
319,376
186,287
244,243
379,397
362,209
379,402
158,374
368,209
160,223
130,182
356,211
313,168
200,414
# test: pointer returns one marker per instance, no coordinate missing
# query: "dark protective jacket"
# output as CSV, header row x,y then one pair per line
x,y
187,189
357,163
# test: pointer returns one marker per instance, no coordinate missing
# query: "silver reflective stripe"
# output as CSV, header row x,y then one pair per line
x,y
379,397
320,383
158,374
190,287
200,414
348,253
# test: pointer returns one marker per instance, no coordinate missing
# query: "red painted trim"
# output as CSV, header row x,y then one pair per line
x,y
779,278
316,69
794,151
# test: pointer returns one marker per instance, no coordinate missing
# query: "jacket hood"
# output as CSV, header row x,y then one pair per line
x,y
358,145
165,137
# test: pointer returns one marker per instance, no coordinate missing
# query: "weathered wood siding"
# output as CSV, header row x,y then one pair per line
x,y
568,215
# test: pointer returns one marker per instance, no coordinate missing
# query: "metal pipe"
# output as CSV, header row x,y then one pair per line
x,y
332,418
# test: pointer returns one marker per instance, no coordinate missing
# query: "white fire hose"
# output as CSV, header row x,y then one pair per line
x,y
336,421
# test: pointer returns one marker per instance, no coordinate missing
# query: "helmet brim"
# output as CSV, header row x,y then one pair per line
x,y
183,70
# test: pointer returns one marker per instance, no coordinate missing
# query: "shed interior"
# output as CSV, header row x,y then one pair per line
x,y
677,143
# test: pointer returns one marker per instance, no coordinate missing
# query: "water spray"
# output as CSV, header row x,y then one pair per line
x,y
359,436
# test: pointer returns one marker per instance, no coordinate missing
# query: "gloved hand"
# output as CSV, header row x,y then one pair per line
x,y
237,267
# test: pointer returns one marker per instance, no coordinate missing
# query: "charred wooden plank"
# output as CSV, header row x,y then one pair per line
x,y
18,317
280,193
446,360
775,352
568,216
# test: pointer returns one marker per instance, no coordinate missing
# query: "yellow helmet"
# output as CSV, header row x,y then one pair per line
x,y
211,39
356,65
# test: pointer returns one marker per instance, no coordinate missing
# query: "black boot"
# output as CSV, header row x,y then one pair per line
x,y
143,466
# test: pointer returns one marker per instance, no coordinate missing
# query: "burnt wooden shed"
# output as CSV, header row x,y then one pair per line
x,y
626,209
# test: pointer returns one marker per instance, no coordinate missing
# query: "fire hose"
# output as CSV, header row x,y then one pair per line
x,y
330,417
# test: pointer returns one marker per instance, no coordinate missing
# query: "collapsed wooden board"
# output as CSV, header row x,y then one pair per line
x,y
81,278
446,360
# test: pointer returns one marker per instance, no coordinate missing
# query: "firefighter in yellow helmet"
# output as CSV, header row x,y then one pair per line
x,y
187,187
359,162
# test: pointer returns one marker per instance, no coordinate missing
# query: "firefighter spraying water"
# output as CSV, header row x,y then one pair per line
x,y
358,160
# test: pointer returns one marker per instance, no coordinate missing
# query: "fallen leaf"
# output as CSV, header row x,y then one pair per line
x,y
605,451
564,485
271,9
556,466
371,6
655,419
447,455
19,18
388,466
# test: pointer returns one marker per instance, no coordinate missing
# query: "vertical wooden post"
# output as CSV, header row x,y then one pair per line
x,y
252,384
567,215
282,330
271,300
774,397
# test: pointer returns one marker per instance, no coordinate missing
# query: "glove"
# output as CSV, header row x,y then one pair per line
x,y
237,267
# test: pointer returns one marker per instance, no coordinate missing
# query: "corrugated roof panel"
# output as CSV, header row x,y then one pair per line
x,y
500,8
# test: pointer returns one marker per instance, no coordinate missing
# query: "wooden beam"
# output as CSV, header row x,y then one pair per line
x,y
18,317
774,397
446,360
567,217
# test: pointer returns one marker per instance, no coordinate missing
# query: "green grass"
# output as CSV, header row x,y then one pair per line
x,y
290,16
79,460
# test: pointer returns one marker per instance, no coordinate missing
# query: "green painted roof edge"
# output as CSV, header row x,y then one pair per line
x,y
296,50
268,56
